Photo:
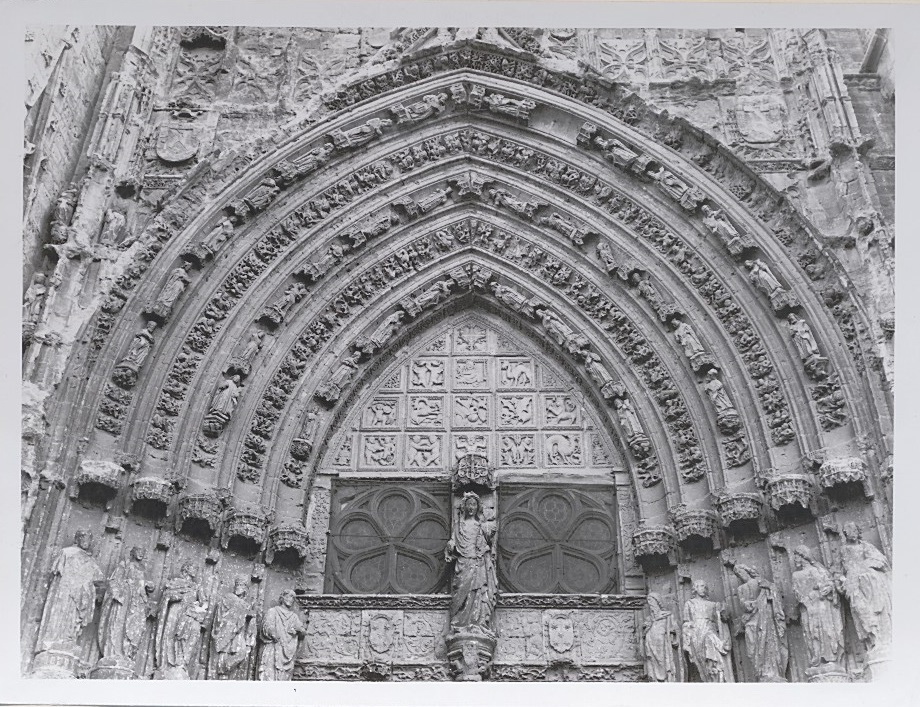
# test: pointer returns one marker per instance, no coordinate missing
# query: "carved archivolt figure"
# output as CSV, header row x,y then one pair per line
x,y
333,388
175,285
687,337
233,635
382,334
820,610
71,599
432,104
218,235
727,417
222,406
280,634
124,611
434,294
180,618
136,354
515,108
802,337
866,583
704,639
629,421
660,640
474,584
763,277
764,625
605,253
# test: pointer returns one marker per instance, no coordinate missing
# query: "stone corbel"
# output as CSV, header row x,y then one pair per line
x,y
835,472
784,489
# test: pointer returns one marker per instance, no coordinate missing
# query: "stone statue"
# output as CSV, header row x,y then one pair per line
x,y
432,104
600,375
281,631
866,583
605,253
233,635
687,337
704,640
71,600
218,236
112,229
63,213
727,416
722,228
525,209
519,109
126,370
175,285
382,334
629,421
434,294
333,388
180,618
124,616
802,337
819,609
660,640
363,134
243,360
762,277
222,406
474,585
34,299
764,625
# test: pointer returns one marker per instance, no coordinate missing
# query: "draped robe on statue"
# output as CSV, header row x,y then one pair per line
x,y
71,599
764,630
474,582
124,613
280,629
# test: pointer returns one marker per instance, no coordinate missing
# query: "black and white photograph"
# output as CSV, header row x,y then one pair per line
x,y
456,354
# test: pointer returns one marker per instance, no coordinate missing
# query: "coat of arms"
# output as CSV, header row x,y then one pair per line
x,y
177,143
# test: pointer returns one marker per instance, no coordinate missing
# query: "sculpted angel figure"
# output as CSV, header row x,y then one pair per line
x,y
475,584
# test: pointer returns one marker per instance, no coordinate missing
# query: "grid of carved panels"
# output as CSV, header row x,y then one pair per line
x,y
471,389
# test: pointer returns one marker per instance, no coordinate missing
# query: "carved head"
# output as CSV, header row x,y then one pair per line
x,y
749,264
792,319
189,570
236,379
745,572
138,554
801,556
470,505
287,598
851,531
83,539
240,587
151,325
700,589
39,278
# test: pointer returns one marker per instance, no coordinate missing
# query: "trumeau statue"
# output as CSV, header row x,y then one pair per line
x,y
125,607
280,634
474,585
71,600
866,583
660,640
233,635
180,619
705,639
820,609
764,625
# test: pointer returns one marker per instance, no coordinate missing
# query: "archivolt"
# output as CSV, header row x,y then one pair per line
x,y
263,217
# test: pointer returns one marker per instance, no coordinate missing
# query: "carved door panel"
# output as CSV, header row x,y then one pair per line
x,y
557,540
387,538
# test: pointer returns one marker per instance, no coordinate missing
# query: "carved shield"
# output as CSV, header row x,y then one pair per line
x,y
380,633
560,632
759,119
177,143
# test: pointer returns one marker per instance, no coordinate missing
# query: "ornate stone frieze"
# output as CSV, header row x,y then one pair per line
x,y
373,601
570,601
690,522
288,536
